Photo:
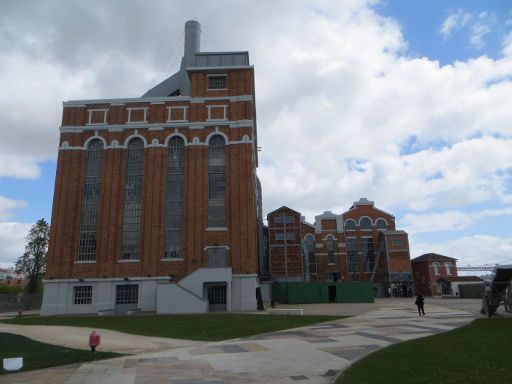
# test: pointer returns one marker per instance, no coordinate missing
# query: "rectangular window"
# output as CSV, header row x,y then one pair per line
x,y
97,116
177,113
82,294
137,115
217,257
284,219
397,242
217,112
216,82
353,259
369,255
127,294
281,235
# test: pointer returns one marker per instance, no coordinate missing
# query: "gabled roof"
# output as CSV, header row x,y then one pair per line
x,y
284,207
432,257
365,201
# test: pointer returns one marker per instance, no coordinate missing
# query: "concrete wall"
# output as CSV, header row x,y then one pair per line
x,y
171,298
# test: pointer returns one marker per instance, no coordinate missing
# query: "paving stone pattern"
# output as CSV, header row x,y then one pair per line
x,y
314,354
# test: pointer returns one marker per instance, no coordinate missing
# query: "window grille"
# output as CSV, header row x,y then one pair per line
x,y
132,200
311,257
280,235
174,199
217,257
216,182
350,225
127,294
82,294
286,219
216,82
90,202
365,223
369,255
353,259
397,242
381,224
330,250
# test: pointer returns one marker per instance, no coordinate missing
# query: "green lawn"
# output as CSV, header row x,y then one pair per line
x,y
206,327
39,355
477,353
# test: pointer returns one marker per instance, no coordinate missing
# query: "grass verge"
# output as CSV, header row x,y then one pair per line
x,y
204,327
476,353
38,355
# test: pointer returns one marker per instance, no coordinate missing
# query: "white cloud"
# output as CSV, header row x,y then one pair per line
x,y
470,250
12,242
481,28
455,20
7,206
448,220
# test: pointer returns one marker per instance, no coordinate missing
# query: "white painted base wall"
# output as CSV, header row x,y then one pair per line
x,y
155,294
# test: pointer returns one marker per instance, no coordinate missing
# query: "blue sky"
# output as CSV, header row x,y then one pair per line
x,y
409,101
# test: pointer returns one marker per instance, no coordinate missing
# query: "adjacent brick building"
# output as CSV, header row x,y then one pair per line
x,y
361,244
432,274
155,204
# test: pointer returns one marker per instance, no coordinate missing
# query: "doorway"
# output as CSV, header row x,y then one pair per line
x,y
217,297
332,293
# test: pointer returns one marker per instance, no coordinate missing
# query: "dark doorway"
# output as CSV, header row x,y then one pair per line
x,y
217,297
332,293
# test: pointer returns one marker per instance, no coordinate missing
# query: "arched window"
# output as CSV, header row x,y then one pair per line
x,y
216,182
90,201
330,250
365,223
174,199
132,200
381,224
350,225
310,249
436,268
448,267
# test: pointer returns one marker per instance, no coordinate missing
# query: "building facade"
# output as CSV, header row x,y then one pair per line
x,y
433,273
361,244
155,204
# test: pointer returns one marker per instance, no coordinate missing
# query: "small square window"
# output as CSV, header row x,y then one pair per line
x,y
217,82
397,242
82,294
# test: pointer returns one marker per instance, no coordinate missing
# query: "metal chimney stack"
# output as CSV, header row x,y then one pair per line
x,y
192,41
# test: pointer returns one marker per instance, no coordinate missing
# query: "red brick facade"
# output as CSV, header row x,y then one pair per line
x,y
195,118
429,269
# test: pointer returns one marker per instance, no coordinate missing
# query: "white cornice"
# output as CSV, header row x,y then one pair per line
x,y
154,100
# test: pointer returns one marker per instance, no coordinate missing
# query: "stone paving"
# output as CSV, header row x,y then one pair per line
x,y
312,354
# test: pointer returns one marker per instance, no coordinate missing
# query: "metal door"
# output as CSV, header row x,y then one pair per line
x,y
217,297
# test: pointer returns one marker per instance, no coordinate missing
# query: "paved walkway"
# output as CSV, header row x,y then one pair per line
x,y
313,354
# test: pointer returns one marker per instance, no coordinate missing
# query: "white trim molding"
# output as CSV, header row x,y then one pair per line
x,y
130,109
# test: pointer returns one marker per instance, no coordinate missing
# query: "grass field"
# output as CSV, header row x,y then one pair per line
x,y
477,353
205,327
39,355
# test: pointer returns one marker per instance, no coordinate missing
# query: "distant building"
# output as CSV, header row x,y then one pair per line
x,y
432,273
361,244
155,204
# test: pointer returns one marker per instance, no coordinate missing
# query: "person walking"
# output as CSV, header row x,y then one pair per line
x,y
420,301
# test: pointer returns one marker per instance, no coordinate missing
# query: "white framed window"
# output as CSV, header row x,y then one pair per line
x,y
381,224
217,257
97,116
137,114
350,225
217,112
365,223
436,268
217,82
127,294
82,294
329,242
178,113
448,267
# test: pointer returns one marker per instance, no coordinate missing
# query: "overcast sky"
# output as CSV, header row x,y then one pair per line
x,y
407,103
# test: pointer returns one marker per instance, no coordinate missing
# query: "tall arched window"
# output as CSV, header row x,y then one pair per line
x,y
448,267
436,268
132,200
174,199
216,182
90,201
330,250
381,224
310,249
365,223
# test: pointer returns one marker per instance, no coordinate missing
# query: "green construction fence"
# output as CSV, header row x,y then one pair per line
x,y
307,293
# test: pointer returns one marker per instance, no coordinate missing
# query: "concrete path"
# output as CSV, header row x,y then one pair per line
x,y
313,354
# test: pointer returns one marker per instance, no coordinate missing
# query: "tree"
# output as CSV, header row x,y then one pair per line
x,y
33,262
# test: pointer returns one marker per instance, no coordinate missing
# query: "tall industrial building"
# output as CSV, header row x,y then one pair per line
x,y
155,204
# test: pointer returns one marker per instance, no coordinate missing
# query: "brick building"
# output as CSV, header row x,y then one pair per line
x,y
361,244
155,204
433,274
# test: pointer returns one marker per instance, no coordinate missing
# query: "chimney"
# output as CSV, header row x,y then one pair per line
x,y
192,41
